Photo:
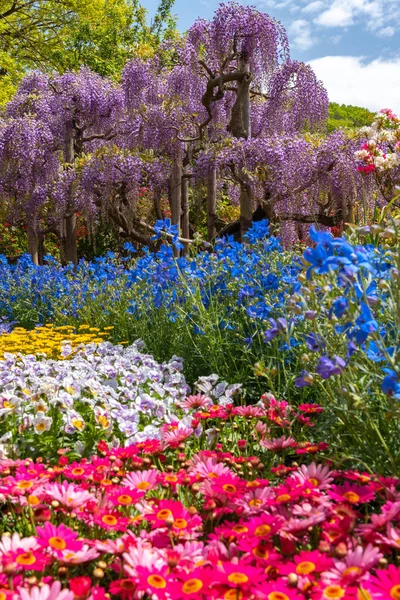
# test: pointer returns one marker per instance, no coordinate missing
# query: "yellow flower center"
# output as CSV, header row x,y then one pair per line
x,y
237,578
124,499
313,481
33,500
191,586
239,529
351,497
262,530
255,502
27,558
78,471
180,523
57,543
253,484
233,595
229,488
212,475
164,514
24,484
157,582
143,485
305,567
171,478
334,592
395,592
109,520
78,424
283,498
277,596
352,571
260,552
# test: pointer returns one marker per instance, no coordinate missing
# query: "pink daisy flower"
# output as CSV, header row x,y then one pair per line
x,y
354,494
354,567
278,443
68,494
29,560
195,401
46,592
57,539
307,563
124,496
208,468
141,480
318,475
111,520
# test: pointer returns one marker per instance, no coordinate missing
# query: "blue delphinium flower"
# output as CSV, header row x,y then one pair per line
x,y
340,306
391,384
366,324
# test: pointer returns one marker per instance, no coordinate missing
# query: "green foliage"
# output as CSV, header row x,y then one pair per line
x,y
64,34
343,115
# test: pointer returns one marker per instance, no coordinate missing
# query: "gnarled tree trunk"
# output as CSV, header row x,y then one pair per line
x,y
33,244
211,203
239,126
70,250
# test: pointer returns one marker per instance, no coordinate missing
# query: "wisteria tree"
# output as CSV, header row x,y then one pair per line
x,y
225,106
28,165
244,53
82,111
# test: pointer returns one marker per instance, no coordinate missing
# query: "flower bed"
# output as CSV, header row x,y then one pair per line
x,y
324,327
50,341
151,521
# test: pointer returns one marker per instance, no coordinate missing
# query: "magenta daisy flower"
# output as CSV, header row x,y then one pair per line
x,y
354,494
386,583
57,539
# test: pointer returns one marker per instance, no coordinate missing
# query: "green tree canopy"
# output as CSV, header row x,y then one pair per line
x,y
64,34
343,115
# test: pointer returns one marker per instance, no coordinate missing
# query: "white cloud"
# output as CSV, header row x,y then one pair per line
x,y
387,31
349,80
378,14
314,6
338,15
300,34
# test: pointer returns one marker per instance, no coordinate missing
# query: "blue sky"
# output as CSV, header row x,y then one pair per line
x,y
353,45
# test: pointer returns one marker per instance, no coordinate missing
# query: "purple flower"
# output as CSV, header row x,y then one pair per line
x,y
304,380
327,367
315,343
276,327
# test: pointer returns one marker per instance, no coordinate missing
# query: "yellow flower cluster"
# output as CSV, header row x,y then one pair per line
x,y
50,341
